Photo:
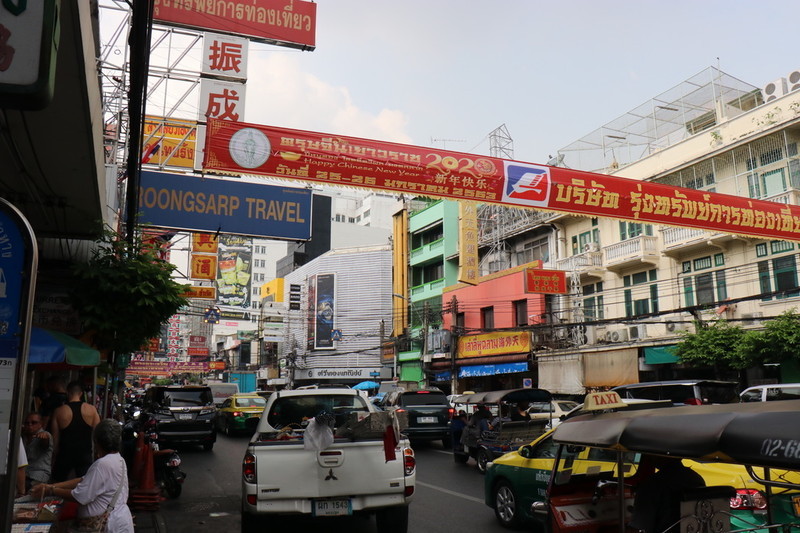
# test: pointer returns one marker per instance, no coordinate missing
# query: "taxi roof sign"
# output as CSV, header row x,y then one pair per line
x,y
602,400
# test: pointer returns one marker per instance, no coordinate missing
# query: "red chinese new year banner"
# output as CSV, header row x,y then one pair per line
x,y
291,23
239,148
542,281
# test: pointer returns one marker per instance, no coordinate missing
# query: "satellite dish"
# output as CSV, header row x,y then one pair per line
x,y
556,161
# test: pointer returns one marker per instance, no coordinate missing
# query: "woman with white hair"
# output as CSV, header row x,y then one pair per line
x,y
103,492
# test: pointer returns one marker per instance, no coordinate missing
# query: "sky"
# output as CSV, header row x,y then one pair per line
x,y
446,73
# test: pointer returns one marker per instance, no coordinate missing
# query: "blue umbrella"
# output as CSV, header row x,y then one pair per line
x,y
366,385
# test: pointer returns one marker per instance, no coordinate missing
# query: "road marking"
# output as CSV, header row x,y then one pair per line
x,y
451,492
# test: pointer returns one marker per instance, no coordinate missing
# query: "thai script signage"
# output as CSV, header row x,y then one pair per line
x,y
233,147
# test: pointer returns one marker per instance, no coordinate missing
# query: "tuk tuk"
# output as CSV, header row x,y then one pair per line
x,y
485,446
589,473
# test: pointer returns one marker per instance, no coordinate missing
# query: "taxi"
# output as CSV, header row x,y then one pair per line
x,y
517,483
240,412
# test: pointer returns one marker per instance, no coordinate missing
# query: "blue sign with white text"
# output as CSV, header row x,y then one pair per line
x,y
224,206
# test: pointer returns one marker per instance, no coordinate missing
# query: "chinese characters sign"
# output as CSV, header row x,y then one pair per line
x,y
545,281
494,344
290,23
468,243
349,161
221,99
225,56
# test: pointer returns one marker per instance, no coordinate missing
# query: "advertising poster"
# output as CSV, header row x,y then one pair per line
x,y
234,270
312,314
324,312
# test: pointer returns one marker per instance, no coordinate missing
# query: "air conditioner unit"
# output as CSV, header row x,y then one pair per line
x,y
793,80
674,327
637,331
774,90
591,335
617,335
591,247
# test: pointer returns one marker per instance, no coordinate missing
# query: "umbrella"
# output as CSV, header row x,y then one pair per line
x,y
366,385
54,347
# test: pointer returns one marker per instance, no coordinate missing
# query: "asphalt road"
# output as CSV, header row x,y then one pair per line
x,y
449,497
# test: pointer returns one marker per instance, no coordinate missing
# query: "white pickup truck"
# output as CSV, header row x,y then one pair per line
x,y
286,472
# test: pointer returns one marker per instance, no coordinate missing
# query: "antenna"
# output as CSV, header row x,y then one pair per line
x,y
443,141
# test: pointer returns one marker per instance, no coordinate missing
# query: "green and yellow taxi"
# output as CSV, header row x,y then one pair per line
x,y
518,484
240,412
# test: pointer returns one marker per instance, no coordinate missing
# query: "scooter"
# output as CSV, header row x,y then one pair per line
x,y
166,463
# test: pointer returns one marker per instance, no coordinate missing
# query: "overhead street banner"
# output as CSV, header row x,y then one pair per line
x,y
224,206
291,23
164,368
240,148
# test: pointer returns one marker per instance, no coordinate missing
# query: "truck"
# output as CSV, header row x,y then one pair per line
x,y
327,452
247,381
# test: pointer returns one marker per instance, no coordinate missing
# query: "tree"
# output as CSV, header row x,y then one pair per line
x,y
719,345
779,340
125,293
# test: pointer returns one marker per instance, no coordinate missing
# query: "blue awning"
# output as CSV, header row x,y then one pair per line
x,y
491,370
52,347
443,376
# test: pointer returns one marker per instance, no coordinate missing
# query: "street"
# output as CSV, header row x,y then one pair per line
x,y
449,497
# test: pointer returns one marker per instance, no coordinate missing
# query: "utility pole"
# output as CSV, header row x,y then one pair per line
x,y
453,344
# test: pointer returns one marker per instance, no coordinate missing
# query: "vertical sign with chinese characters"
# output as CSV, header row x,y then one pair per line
x,y
174,337
224,57
222,100
468,243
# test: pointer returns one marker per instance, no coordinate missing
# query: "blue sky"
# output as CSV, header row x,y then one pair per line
x,y
416,71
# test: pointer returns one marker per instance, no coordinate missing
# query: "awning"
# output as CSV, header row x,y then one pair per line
x,y
659,355
491,370
49,347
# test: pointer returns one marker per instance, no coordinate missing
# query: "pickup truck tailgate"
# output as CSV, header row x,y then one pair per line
x,y
287,470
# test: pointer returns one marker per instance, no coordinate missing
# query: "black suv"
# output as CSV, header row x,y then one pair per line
x,y
429,413
181,415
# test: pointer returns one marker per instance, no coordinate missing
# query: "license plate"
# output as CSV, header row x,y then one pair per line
x,y
426,420
796,504
186,416
332,508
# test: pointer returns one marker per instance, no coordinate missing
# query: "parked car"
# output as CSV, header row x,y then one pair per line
x,y
552,411
181,415
683,391
240,412
768,393
429,413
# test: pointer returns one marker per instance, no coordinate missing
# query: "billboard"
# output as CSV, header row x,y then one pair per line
x,y
324,311
500,343
224,206
169,142
291,23
542,281
353,162
234,272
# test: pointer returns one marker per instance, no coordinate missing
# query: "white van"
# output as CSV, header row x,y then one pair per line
x,y
768,393
222,390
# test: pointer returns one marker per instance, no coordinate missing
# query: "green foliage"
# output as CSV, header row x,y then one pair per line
x,y
778,341
125,293
718,345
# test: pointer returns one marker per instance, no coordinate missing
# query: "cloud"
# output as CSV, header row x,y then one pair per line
x,y
280,94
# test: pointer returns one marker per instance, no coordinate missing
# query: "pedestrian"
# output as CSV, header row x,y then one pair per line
x,y
497,422
38,445
56,396
457,426
103,492
520,413
72,434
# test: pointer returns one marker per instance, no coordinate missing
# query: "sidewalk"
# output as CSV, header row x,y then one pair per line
x,y
149,522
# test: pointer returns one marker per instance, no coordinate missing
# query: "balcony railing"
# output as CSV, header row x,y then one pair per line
x,y
435,246
435,285
585,263
641,249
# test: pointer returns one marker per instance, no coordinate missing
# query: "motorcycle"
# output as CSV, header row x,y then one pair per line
x,y
166,463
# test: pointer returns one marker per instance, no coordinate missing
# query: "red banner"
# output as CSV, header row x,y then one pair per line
x,y
239,148
291,23
542,281
196,350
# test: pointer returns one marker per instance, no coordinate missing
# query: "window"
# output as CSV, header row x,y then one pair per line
x,y
779,274
426,237
702,263
521,312
487,317
581,242
643,299
427,273
629,230
593,301
534,250
705,289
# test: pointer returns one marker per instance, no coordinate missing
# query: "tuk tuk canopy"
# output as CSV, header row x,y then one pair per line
x,y
505,396
759,434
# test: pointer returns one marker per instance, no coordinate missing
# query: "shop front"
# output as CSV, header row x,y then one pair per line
x,y
493,361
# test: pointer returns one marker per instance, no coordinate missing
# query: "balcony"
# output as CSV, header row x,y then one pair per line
x,y
587,265
638,251
688,241
426,252
428,290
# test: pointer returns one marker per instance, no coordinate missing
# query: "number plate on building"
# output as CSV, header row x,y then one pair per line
x,y
426,420
332,507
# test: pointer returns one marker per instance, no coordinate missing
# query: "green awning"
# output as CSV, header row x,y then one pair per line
x,y
409,356
411,372
659,355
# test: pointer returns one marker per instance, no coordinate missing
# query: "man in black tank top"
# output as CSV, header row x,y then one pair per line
x,y
72,428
